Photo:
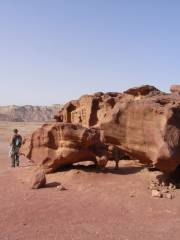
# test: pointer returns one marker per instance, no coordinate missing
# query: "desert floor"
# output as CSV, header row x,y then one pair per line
x,y
112,205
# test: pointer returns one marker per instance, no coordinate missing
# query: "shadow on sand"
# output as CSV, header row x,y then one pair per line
x,y
174,177
125,170
52,185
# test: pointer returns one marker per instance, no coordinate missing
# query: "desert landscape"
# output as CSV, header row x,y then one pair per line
x,y
82,201
89,120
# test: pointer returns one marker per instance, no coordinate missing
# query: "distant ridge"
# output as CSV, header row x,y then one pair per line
x,y
28,113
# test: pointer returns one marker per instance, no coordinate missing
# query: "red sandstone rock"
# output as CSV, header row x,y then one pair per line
x,y
142,122
175,89
143,90
38,180
148,129
156,193
58,144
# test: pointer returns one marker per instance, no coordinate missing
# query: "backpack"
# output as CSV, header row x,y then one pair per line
x,y
18,141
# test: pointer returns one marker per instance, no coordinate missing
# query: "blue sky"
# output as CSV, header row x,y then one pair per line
x,y
52,51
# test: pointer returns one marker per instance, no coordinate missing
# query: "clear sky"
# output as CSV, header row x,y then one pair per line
x,y
52,51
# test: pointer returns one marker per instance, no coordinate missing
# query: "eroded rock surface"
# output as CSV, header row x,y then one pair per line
x,y
175,89
59,144
38,180
142,122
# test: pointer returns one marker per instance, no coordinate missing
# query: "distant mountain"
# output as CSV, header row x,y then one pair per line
x,y
28,113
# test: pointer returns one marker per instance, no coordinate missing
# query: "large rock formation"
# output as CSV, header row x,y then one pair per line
x,y
142,122
28,113
58,144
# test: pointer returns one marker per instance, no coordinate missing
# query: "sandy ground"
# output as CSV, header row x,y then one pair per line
x,y
112,205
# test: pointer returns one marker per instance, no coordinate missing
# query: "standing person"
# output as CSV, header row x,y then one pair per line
x,y
15,145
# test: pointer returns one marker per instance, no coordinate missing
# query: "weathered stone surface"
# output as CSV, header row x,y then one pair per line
x,y
169,196
141,122
148,129
156,193
175,89
58,144
143,90
38,180
61,188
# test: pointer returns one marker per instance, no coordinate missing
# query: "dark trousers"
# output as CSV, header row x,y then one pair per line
x,y
15,159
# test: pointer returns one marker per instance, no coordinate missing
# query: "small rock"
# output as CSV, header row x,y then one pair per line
x,y
164,191
153,186
172,186
132,195
169,196
38,180
156,193
61,188
163,184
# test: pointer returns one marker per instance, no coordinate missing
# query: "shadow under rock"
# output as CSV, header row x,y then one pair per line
x,y
52,185
174,177
93,168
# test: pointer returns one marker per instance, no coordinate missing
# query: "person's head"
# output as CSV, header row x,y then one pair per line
x,y
15,131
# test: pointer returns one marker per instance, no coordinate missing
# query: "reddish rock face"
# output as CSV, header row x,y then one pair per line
x,y
142,91
38,180
175,89
142,122
58,144
148,129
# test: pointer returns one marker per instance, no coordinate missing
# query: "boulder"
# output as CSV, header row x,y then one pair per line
x,y
142,122
38,180
148,129
156,194
169,196
143,90
55,145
